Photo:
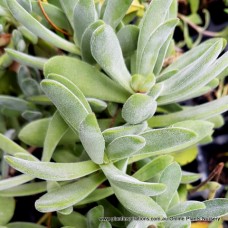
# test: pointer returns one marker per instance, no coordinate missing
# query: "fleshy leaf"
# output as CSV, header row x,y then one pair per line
x,y
73,219
73,193
24,225
93,216
53,171
7,206
97,105
115,11
128,183
171,177
188,177
106,51
138,108
92,138
124,146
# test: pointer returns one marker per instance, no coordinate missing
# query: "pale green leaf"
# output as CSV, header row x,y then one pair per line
x,y
87,78
153,168
105,224
115,11
7,207
93,216
106,51
112,133
73,219
128,183
138,108
84,14
204,111
124,146
92,138
73,193
28,34
25,190
177,223
97,105
53,171
66,211
70,107
24,225
171,177
38,29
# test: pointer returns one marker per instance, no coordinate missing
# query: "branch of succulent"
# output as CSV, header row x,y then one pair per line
x,y
105,120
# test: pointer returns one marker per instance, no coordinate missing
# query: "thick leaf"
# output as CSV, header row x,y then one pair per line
x,y
86,39
153,46
98,194
34,134
53,171
115,11
124,146
178,223
128,183
38,29
157,10
128,37
25,190
87,78
24,225
92,138
188,177
153,168
73,219
14,181
140,224
97,105
7,207
105,225
25,59
112,133
93,216
84,14
204,111
106,51
171,177
56,129
9,146
184,207
70,107
73,193
138,204
138,108
214,208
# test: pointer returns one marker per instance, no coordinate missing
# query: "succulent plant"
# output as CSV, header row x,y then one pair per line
x,y
113,120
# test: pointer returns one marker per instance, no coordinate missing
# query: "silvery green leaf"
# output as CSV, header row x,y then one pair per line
x,y
56,129
122,164
152,168
84,14
66,211
151,50
128,37
86,39
156,91
142,84
112,133
188,75
7,207
26,156
171,177
64,155
214,208
138,108
98,194
25,190
138,204
24,225
73,193
177,223
9,146
204,111
53,171
97,105
68,7
158,11
73,219
106,51
188,177
26,5
72,87
87,78
184,207
31,115
115,11
130,184
218,121
38,29
30,87
124,146
93,216
141,224
28,34
166,75
26,59
175,199
68,104
92,138
14,181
